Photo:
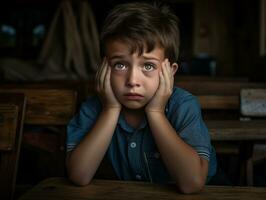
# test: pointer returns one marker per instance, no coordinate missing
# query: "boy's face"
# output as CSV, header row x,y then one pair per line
x,y
134,77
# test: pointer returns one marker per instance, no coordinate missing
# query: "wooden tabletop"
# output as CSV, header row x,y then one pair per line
x,y
234,130
60,188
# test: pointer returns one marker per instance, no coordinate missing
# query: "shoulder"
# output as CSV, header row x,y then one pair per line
x,y
183,107
83,121
85,117
88,110
180,97
92,104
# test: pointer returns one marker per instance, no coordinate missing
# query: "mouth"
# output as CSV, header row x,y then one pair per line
x,y
133,96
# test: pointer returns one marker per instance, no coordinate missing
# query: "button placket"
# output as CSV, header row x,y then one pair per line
x,y
134,155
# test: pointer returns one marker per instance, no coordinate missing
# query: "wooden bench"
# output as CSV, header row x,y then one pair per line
x,y
12,110
220,100
48,111
48,107
253,107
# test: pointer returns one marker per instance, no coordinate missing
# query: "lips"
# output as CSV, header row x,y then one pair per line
x,y
134,96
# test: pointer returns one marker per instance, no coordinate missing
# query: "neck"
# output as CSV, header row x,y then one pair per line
x,y
133,116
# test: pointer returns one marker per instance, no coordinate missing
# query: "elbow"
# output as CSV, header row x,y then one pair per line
x,y
79,180
191,187
77,177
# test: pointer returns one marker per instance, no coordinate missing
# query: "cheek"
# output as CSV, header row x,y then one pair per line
x,y
153,83
116,81
156,84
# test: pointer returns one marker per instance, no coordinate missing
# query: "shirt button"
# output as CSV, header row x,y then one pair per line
x,y
138,177
133,145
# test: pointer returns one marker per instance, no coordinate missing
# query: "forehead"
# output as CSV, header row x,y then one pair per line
x,y
119,47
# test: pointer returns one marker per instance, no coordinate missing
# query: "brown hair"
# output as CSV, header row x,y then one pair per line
x,y
143,25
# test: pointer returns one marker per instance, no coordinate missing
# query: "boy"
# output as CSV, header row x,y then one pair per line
x,y
148,129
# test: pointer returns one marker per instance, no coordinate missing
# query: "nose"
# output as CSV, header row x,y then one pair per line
x,y
133,78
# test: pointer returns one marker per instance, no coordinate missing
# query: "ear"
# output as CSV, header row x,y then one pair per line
x,y
174,66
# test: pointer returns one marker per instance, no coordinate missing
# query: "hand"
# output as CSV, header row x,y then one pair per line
x,y
103,86
164,91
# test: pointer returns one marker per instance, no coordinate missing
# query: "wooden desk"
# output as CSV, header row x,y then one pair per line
x,y
244,133
234,130
60,188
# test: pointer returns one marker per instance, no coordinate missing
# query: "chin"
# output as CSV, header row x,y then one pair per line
x,y
133,105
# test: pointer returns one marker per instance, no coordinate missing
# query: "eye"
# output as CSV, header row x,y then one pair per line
x,y
149,67
119,66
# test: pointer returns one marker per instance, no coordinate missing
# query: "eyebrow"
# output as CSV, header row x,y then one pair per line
x,y
151,58
145,57
116,57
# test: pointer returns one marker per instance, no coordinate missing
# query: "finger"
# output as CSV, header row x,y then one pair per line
x,y
99,72
171,76
107,82
170,73
161,82
103,75
166,74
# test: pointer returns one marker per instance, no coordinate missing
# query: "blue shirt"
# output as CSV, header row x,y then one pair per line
x,y
133,152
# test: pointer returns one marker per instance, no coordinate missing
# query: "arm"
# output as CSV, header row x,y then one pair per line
x,y
184,164
85,159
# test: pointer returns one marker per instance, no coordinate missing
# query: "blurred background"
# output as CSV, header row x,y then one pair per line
x,y
218,37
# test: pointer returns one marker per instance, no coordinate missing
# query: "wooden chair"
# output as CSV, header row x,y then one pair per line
x,y
43,142
220,100
48,107
12,110
253,107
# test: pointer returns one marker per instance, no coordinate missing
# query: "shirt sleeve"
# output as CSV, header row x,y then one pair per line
x,y
82,122
185,116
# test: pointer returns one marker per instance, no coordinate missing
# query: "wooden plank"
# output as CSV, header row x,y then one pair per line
x,y
234,130
9,159
205,78
61,188
82,88
219,102
226,147
217,87
48,106
8,126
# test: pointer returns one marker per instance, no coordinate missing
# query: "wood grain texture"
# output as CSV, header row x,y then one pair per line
x,y
233,130
12,122
217,87
48,106
220,102
8,126
60,188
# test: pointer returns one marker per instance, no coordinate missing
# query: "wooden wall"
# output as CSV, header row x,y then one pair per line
x,y
214,33
229,30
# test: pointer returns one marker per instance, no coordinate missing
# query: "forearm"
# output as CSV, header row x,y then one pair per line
x,y
181,160
84,160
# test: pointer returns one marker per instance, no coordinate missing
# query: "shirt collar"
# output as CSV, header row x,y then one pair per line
x,y
124,125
